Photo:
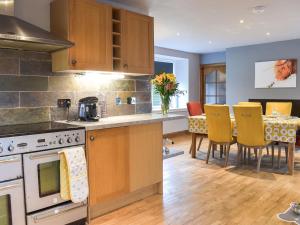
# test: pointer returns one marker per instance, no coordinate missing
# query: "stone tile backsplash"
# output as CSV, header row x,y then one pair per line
x,y
29,90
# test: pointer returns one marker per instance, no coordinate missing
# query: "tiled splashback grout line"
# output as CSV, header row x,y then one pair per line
x,y
26,97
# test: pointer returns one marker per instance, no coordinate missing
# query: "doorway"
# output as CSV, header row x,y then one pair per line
x,y
213,84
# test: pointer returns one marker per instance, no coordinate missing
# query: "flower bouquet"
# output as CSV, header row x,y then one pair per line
x,y
166,86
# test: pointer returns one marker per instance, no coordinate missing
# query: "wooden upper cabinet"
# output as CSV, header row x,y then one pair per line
x,y
87,24
137,43
105,38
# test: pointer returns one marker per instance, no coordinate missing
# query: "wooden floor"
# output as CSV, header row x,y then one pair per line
x,y
197,193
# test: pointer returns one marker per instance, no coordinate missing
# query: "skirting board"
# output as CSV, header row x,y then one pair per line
x,y
127,199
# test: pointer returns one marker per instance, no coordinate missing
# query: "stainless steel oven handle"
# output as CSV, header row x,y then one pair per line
x,y
45,155
9,186
10,160
55,212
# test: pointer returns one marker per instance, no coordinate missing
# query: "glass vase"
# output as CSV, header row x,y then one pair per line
x,y
165,104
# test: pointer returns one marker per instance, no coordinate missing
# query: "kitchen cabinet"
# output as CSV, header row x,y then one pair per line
x,y
124,165
88,25
106,39
138,43
145,155
107,164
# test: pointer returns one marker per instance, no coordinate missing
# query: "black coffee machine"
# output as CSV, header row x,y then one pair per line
x,y
88,108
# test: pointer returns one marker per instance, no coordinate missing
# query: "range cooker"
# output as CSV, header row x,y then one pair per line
x,y
30,174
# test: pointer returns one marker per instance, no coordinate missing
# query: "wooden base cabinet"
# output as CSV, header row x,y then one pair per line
x,y
145,155
124,165
108,163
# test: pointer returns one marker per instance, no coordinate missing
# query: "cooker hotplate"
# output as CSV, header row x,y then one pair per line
x,y
35,128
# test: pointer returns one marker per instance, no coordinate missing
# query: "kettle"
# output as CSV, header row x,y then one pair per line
x,y
87,109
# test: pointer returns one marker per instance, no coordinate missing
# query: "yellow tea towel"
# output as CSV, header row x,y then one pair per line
x,y
73,174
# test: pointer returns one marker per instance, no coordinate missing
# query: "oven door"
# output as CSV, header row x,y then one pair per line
x,y
42,179
12,210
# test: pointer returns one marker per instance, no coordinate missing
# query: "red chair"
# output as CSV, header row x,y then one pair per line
x,y
195,109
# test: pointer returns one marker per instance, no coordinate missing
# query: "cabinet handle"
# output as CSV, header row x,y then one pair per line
x,y
92,138
125,65
74,61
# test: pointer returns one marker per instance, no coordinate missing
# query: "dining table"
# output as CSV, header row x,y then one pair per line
x,y
277,129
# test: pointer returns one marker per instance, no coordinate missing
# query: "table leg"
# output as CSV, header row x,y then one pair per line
x,y
291,152
194,138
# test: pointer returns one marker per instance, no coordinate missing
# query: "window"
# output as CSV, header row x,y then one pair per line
x,y
178,66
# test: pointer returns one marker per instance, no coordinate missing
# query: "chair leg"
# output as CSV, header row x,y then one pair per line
x,y
221,151
286,154
272,155
279,157
213,150
208,152
268,150
240,154
200,142
227,149
259,159
245,155
255,152
249,155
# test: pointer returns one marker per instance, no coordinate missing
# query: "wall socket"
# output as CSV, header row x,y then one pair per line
x,y
64,103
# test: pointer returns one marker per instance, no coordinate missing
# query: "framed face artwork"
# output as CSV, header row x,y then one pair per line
x,y
276,74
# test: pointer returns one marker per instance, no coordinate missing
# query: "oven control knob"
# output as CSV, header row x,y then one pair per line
x,y
60,141
11,148
69,140
1,149
77,139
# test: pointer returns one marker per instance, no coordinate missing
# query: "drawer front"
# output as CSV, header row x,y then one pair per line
x,y
62,215
10,167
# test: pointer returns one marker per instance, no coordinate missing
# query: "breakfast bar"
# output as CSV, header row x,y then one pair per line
x,y
124,155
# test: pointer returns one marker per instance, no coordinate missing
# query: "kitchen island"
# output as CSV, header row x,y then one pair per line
x,y
124,156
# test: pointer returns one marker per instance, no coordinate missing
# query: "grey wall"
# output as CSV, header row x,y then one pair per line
x,y
29,90
194,69
240,62
213,58
38,11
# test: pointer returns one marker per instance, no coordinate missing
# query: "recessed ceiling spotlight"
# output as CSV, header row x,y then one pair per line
x,y
268,33
178,34
210,42
259,9
242,21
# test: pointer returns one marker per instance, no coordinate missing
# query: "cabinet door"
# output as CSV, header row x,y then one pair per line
x,y
138,43
90,30
146,163
107,152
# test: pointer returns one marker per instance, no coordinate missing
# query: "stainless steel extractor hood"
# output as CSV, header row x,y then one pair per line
x,y
18,34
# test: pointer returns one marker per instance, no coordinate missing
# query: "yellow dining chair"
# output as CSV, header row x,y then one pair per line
x,y
250,130
250,103
281,108
219,129
284,109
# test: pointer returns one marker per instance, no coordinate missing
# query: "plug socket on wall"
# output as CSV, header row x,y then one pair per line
x,y
64,103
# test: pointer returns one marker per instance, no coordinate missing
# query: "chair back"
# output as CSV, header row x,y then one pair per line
x,y
250,103
218,123
194,108
281,108
250,125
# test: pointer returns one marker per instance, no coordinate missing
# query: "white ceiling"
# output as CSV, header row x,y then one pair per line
x,y
218,21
